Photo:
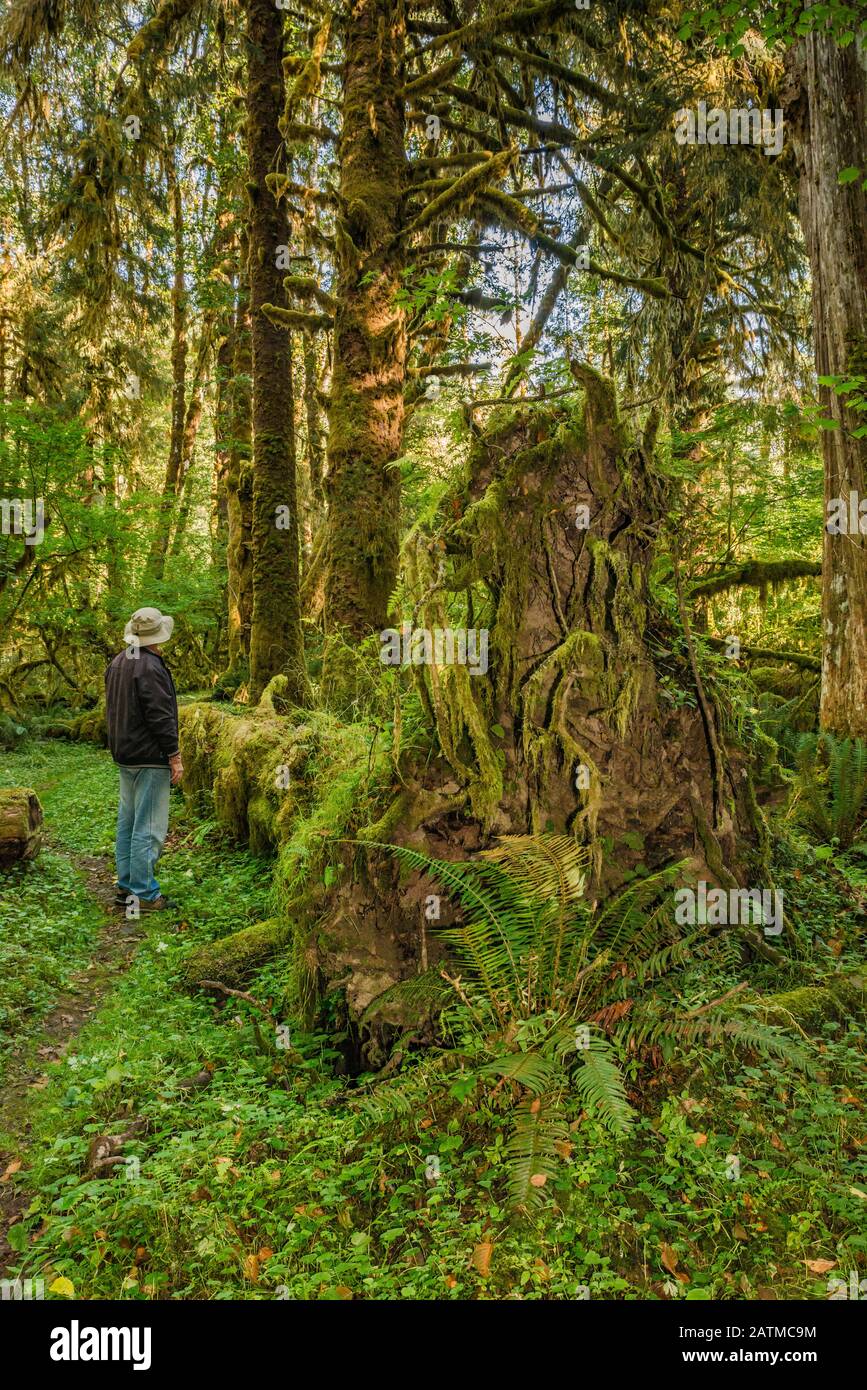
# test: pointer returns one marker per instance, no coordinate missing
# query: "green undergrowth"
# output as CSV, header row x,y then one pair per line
x,y
48,922
271,1179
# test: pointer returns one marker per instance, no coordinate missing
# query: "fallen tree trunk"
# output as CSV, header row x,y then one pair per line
x,y
232,959
808,1007
20,825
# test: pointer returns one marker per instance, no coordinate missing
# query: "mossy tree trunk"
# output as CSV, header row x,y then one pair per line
x,y
159,545
276,643
828,117
366,412
239,490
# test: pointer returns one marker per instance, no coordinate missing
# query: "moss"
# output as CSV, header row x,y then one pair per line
x,y
810,1006
253,766
232,959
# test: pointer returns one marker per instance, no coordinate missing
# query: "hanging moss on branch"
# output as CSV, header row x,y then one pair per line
x,y
756,574
296,318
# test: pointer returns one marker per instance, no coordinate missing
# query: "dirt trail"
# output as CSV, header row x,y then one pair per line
x,y
112,956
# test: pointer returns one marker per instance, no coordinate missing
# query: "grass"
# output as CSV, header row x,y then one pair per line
x,y
270,1182
49,922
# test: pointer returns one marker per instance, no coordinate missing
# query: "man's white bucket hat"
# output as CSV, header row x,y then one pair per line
x,y
148,627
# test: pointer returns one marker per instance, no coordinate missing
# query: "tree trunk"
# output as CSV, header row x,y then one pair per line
x,y
827,110
276,643
315,441
239,495
159,545
366,413
192,420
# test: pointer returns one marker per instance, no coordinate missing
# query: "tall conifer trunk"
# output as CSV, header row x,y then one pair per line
x,y
162,529
828,114
276,643
239,560
366,415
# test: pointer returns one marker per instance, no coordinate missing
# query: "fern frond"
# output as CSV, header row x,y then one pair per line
x,y
400,1097
599,1083
531,1152
531,1069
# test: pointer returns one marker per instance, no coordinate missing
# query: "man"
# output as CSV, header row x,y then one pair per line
x,y
142,717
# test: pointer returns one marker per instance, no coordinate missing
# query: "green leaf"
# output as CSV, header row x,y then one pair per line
x,y
18,1238
849,175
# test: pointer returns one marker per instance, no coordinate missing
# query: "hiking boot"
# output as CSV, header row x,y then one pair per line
x,y
160,904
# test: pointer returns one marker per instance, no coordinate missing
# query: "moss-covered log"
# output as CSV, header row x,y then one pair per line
x,y
20,825
232,959
252,764
809,1007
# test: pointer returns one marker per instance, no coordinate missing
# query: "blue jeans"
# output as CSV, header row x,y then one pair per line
x,y
142,826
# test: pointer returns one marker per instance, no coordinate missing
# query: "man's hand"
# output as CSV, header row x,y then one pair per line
x,y
177,768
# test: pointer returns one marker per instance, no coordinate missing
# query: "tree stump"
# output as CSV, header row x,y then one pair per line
x,y
20,825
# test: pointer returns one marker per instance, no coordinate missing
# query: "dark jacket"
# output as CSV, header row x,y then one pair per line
x,y
141,709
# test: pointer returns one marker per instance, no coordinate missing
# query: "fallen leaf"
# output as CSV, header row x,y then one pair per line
x,y
739,1233
564,1148
482,1258
699,1140
821,1266
63,1286
251,1268
11,1168
538,1179
669,1258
